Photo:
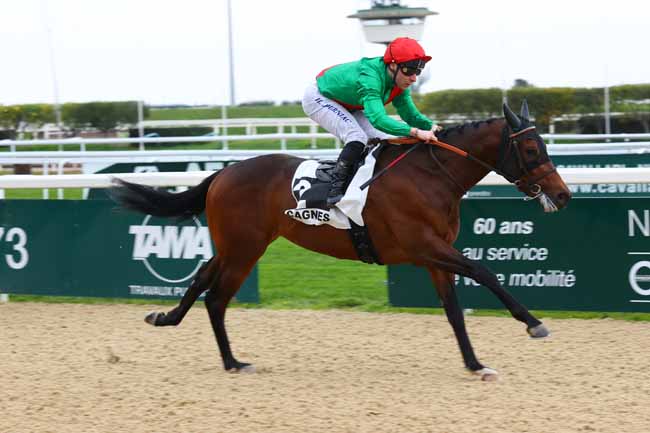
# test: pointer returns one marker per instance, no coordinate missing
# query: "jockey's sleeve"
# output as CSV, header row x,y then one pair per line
x,y
373,107
409,112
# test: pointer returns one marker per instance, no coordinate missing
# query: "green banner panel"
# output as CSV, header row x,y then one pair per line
x,y
88,248
594,255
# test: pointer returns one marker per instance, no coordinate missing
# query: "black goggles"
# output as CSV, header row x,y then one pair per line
x,y
412,67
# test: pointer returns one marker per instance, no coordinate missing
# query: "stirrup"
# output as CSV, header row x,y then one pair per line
x,y
333,200
336,193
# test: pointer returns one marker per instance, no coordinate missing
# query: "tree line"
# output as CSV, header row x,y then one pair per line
x,y
104,116
545,103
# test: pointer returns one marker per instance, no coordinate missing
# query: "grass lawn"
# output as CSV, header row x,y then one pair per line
x,y
68,193
293,110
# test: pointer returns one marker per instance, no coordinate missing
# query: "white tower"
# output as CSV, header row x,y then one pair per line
x,y
388,19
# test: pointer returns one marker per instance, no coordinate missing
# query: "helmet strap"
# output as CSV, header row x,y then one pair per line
x,y
393,62
394,73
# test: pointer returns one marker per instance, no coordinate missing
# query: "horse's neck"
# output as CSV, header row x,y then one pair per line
x,y
483,144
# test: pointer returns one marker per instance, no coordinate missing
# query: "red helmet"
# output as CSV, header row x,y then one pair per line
x,y
404,50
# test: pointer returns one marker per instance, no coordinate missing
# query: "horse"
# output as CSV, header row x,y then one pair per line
x,y
413,215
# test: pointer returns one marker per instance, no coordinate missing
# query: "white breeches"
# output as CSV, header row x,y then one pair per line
x,y
338,120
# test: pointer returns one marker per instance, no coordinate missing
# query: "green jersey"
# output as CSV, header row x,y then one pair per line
x,y
367,85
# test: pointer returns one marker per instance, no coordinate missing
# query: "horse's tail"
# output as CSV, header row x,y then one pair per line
x,y
159,202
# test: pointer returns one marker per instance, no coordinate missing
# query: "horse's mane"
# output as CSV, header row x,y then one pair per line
x,y
460,129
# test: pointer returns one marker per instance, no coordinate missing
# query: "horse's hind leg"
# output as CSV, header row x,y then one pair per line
x,y
233,266
444,283
199,285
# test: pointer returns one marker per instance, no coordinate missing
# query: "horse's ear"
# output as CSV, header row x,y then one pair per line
x,y
524,110
511,118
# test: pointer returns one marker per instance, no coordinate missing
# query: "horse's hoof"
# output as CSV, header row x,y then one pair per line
x,y
539,331
244,368
487,374
152,316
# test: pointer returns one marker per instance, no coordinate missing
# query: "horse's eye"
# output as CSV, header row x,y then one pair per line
x,y
531,152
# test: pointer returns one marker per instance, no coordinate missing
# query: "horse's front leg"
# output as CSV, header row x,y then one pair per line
x,y
482,275
444,283
446,257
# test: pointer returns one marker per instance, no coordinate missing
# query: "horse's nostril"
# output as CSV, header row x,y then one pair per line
x,y
563,198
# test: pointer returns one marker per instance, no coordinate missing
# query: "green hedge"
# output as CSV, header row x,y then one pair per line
x,y
191,131
104,116
544,102
11,116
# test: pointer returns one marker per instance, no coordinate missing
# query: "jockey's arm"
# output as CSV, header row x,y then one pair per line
x,y
409,112
375,111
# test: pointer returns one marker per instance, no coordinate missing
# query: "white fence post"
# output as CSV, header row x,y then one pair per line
x,y
283,142
46,171
551,130
59,192
313,128
140,123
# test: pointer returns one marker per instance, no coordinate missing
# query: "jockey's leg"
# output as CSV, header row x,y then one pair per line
x,y
366,126
339,121
349,157
342,172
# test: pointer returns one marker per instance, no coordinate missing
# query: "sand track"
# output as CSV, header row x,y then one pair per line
x,y
100,368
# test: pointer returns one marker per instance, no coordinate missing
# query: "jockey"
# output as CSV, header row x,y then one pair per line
x,y
348,101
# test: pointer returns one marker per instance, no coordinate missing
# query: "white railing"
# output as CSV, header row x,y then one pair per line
x,y
62,157
570,176
619,141
141,141
114,156
283,137
250,124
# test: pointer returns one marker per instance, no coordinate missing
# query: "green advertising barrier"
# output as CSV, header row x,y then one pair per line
x,y
87,248
593,256
587,190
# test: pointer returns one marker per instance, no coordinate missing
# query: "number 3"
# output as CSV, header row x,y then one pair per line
x,y
19,247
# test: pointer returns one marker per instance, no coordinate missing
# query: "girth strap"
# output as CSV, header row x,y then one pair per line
x,y
360,237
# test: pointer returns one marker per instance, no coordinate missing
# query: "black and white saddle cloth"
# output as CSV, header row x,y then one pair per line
x,y
311,183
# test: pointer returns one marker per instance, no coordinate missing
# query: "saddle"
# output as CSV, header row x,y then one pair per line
x,y
314,195
311,184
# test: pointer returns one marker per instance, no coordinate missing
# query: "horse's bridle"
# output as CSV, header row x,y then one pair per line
x,y
522,181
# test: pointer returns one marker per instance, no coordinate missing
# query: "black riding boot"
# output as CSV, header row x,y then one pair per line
x,y
343,171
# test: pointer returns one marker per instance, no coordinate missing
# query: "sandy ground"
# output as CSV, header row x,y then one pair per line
x,y
82,368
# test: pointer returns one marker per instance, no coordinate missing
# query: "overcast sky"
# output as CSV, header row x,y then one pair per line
x,y
167,52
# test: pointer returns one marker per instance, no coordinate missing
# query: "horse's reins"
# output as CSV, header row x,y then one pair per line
x,y
381,172
537,191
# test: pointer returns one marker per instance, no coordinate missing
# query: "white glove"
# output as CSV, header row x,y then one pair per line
x,y
423,135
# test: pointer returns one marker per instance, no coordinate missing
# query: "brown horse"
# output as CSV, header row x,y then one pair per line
x,y
412,214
